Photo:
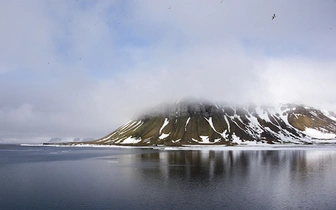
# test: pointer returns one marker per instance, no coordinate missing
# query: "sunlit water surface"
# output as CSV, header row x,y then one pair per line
x,y
123,178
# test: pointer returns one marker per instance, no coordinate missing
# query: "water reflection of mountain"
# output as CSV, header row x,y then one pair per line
x,y
210,165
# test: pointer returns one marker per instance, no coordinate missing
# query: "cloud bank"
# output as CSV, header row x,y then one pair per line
x,y
83,68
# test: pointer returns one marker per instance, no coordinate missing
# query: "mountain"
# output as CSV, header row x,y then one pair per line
x,y
69,139
196,123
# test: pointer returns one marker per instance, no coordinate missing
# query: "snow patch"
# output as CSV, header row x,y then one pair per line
x,y
163,136
318,141
327,114
131,140
211,123
164,125
236,139
127,124
227,122
195,140
205,140
137,125
217,140
263,114
224,135
175,141
318,134
185,127
107,137
133,125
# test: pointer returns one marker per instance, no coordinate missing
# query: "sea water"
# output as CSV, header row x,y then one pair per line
x,y
134,178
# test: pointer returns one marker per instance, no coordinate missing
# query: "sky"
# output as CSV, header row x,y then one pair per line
x,y
82,68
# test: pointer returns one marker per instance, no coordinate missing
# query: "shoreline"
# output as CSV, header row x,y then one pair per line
x,y
314,146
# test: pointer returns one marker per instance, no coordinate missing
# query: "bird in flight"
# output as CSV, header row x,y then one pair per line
x,y
273,17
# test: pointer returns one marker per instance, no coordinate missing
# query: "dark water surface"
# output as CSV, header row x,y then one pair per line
x,y
116,178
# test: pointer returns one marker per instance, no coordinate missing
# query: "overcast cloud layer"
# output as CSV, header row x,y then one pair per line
x,y
83,68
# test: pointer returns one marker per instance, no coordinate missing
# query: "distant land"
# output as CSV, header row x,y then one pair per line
x,y
69,139
37,140
205,123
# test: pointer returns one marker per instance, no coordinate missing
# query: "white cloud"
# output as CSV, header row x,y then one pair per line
x,y
302,81
84,68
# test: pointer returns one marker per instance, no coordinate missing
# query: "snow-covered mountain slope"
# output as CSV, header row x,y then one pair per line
x,y
206,123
